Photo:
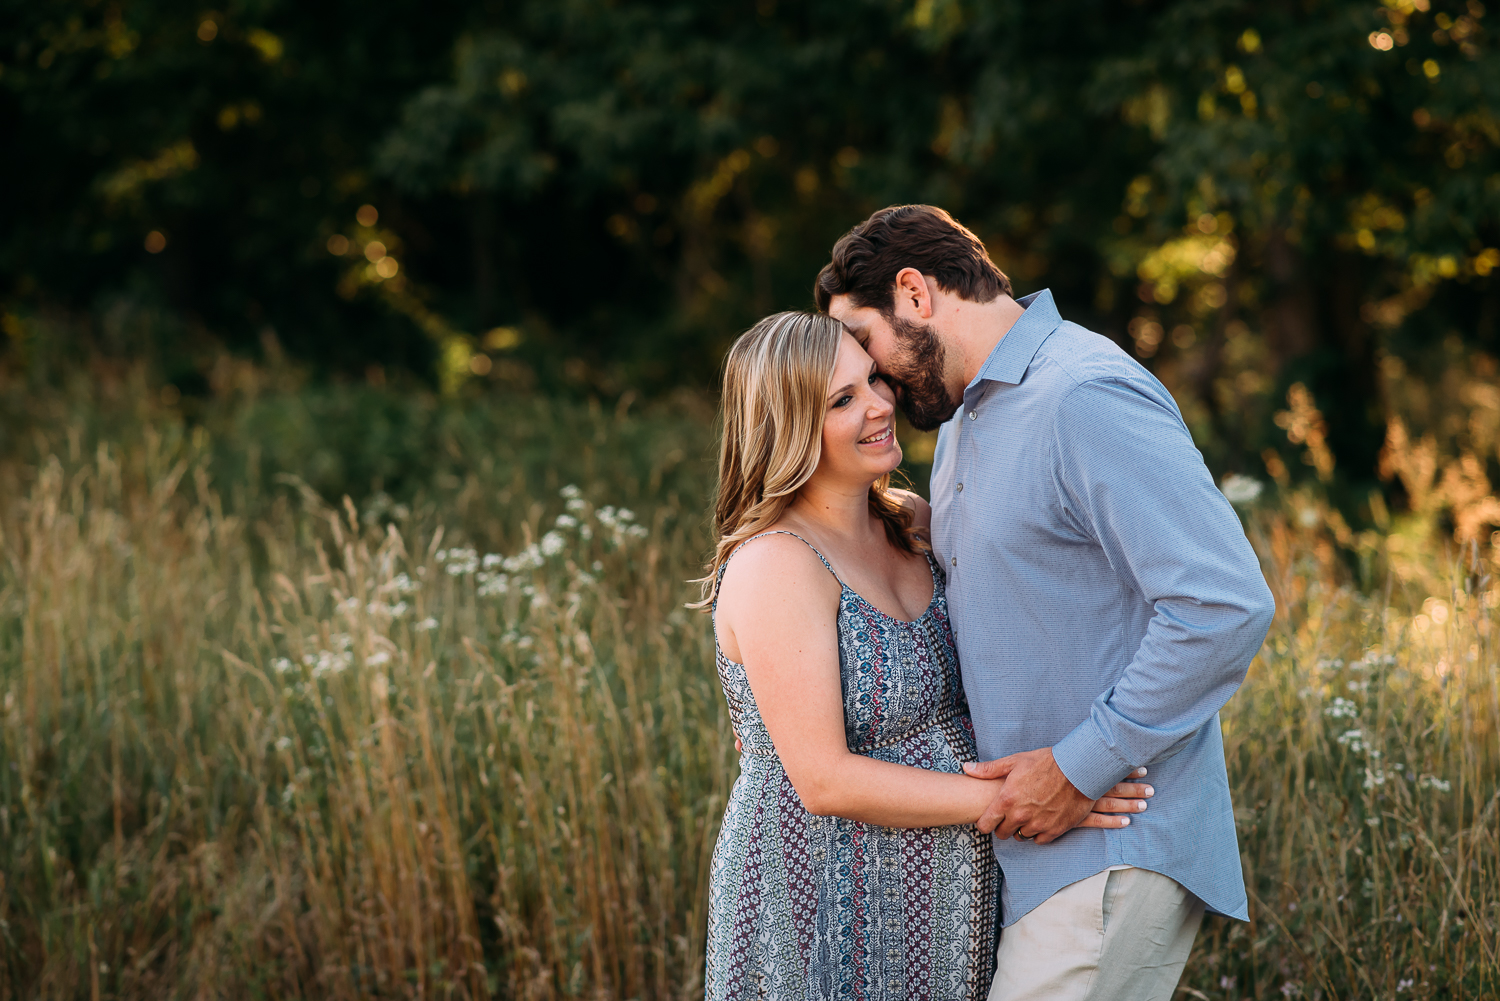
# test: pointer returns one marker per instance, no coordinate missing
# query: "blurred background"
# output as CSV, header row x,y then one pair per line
x,y
590,199
358,366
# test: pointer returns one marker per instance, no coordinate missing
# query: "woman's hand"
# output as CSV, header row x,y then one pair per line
x,y
1125,798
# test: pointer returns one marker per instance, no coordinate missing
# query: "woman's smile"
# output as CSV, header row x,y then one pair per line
x,y
882,437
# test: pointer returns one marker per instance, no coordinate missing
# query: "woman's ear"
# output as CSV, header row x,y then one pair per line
x,y
914,293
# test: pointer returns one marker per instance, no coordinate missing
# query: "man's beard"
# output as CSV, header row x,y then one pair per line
x,y
917,369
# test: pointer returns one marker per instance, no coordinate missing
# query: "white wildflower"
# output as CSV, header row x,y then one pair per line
x,y
282,743
553,543
566,521
377,658
492,560
427,624
332,662
1241,491
571,492
529,558
576,504
1342,708
492,584
281,665
461,562
401,584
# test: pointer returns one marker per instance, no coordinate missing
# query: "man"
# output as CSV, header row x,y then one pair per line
x,y
1104,598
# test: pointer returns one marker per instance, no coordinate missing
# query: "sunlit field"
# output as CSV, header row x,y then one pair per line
x,y
461,738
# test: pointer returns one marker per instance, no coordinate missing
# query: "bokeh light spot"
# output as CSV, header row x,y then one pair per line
x,y
367,215
374,250
386,267
338,245
208,31
480,364
502,339
156,242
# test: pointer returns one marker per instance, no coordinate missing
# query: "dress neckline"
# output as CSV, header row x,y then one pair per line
x,y
931,604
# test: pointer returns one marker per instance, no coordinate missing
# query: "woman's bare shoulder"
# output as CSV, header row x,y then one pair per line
x,y
780,563
921,511
775,583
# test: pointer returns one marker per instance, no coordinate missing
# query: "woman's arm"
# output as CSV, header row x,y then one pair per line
x,y
778,615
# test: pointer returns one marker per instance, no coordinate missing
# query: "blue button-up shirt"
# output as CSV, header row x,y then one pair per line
x,y
1105,601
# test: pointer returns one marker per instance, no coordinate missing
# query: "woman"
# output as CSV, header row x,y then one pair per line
x,y
847,865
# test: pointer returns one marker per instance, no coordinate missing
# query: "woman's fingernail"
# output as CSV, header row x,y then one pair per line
x,y
1140,805
1124,821
968,767
1150,791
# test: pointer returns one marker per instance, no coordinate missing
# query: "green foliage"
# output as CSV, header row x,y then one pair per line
x,y
596,196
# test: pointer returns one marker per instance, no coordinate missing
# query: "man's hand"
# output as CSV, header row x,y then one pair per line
x,y
1037,800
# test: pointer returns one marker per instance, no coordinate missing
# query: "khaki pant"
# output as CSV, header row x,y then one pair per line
x,y
1120,935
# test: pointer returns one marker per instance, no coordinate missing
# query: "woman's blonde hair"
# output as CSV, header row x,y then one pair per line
x,y
775,391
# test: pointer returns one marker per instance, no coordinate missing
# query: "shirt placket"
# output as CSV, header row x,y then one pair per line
x,y
965,464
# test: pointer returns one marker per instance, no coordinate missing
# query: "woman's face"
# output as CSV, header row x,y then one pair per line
x,y
859,422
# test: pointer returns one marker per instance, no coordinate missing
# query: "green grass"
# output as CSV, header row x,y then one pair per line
x,y
257,744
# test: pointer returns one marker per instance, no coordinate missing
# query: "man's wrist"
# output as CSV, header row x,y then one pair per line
x,y
1088,762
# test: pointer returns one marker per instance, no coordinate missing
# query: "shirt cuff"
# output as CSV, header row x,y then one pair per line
x,y
1087,760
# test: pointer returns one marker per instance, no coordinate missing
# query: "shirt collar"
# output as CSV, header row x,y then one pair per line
x,y
1012,356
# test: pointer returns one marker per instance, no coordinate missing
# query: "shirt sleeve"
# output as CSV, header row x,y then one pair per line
x,y
1129,477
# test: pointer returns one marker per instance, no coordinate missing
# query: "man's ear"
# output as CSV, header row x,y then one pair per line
x,y
914,293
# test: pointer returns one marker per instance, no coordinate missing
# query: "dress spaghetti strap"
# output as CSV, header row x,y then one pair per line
x,y
782,531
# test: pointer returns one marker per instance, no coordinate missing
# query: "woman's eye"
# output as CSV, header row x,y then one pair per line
x,y
842,400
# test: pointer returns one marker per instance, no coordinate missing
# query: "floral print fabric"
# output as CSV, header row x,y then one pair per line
x,y
811,908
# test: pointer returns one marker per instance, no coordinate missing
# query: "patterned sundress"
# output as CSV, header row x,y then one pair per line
x,y
811,908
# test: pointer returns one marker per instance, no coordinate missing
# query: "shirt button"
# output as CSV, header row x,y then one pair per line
x,y
960,488
955,561
973,414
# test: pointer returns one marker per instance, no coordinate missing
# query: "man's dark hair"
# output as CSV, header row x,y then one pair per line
x,y
867,259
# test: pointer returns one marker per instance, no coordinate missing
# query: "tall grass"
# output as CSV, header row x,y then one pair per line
x,y
460,738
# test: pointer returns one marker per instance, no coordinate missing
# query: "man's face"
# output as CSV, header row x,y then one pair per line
x,y
910,357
